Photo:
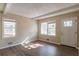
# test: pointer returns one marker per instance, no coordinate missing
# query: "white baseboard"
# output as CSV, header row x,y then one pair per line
x,y
51,42
55,43
77,48
14,45
9,46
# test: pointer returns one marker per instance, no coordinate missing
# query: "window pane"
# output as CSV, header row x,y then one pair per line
x,y
52,29
67,23
9,29
44,28
51,25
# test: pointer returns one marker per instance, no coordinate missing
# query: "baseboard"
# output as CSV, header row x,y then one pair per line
x,y
9,46
50,42
77,48
14,45
28,41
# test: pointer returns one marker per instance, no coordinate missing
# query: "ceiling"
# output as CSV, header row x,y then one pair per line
x,y
32,10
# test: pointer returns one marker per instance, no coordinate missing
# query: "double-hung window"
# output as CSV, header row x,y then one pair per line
x,y
44,28
9,28
52,28
48,28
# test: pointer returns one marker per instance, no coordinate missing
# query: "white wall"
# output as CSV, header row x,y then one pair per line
x,y
26,29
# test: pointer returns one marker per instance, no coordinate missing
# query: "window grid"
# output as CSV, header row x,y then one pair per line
x,y
9,28
51,28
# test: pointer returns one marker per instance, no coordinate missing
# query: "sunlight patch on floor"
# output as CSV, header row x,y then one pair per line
x,y
32,45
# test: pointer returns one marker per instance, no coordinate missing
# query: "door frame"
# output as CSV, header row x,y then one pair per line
x,y
74,18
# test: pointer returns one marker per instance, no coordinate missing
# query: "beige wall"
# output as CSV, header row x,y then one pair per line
x,y
78,29
0,26
26,29
57,38
78,32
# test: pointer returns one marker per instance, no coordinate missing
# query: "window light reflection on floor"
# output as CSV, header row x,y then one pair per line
x,y
32,45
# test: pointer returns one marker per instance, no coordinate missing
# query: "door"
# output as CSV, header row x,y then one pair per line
x,y
69,31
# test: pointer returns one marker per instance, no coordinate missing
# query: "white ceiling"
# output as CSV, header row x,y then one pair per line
x,y
32,10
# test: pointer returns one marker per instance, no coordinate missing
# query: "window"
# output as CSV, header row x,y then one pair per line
x,y
67,23
48,28
44,28
9,28
52,29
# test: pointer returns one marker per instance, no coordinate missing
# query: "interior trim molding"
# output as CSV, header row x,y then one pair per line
x,y
15,44
50,42
59,12
77,48
10,46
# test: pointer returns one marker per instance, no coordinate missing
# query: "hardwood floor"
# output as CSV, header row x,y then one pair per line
x,y
39,48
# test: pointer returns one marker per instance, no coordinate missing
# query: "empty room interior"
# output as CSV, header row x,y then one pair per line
x,y
39,29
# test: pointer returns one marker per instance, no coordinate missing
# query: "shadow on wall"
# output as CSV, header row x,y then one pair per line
x,y
26,40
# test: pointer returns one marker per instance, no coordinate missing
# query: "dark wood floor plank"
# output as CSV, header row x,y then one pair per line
x,y
39,48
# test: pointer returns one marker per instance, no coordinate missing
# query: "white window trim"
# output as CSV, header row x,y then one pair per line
x,y
40,29
47,28
9,20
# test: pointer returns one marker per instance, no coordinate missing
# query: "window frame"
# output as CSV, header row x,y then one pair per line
x,y
40,29
8,20
68,23
47,28
51,28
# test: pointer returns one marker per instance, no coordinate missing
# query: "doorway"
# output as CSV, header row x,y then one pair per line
x,y
69,31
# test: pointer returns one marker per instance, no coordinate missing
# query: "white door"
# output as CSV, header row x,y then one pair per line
x,y
69,31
